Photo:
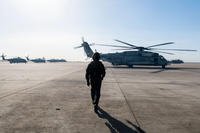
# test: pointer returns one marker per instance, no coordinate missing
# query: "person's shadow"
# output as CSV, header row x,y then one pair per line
x,y
117,126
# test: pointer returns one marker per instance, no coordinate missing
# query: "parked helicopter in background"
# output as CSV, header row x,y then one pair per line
x,y
176,61
43,60
133,55
56,60
37,60
14,60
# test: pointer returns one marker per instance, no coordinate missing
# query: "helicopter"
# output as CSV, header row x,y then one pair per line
x,y
37,60
43,60
56,60
133,55
14,60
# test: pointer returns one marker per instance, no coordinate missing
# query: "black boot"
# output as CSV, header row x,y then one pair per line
x,y
96,108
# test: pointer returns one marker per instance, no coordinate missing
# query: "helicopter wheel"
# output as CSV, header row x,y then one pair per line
x,y
130,66
113,64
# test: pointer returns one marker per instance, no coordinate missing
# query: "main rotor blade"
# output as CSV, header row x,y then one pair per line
x,y
78,47
92,44
178,49
160,44
164,52
123,49
113,45
126,43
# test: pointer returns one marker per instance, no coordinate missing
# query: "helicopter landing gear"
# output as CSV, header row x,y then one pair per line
x,y
163,66
130,66
114,64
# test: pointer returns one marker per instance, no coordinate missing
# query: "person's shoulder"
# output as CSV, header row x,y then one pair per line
x,y
89,66
101,63
91,63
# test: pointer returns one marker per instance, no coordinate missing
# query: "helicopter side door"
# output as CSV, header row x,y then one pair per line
x,y
155,58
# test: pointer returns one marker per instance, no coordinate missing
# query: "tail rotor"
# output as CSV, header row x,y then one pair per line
x,y
3,56
84,43
88,51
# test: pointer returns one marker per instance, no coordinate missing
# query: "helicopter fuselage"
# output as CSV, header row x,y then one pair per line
x,y
16,60
131,58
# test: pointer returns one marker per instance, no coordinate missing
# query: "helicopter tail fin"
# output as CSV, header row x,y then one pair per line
x,y
3,57
88,51
27,58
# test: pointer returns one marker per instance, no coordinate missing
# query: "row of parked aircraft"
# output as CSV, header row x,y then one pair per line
x,y
37,60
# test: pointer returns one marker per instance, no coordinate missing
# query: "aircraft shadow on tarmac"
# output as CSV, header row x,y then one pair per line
x,y
150,67
196,70
158,69
135,67
117,126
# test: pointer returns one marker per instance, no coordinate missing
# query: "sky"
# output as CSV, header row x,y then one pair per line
x,y
52,28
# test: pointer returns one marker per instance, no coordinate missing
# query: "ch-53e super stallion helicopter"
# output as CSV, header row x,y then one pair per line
x,y
134,55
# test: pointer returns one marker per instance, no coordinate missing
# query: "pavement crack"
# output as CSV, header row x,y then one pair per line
x,y
138,127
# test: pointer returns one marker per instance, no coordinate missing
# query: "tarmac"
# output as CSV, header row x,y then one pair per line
x,y
54,98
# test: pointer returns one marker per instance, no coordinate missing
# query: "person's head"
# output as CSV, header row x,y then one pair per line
x,y
96,56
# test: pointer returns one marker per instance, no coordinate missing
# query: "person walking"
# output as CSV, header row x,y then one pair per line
x,y
95,73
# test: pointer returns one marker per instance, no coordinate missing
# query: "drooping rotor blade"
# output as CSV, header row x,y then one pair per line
x,y
160,44
178,49
92,44
78,47
164,52
113,46
123,49
125,43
